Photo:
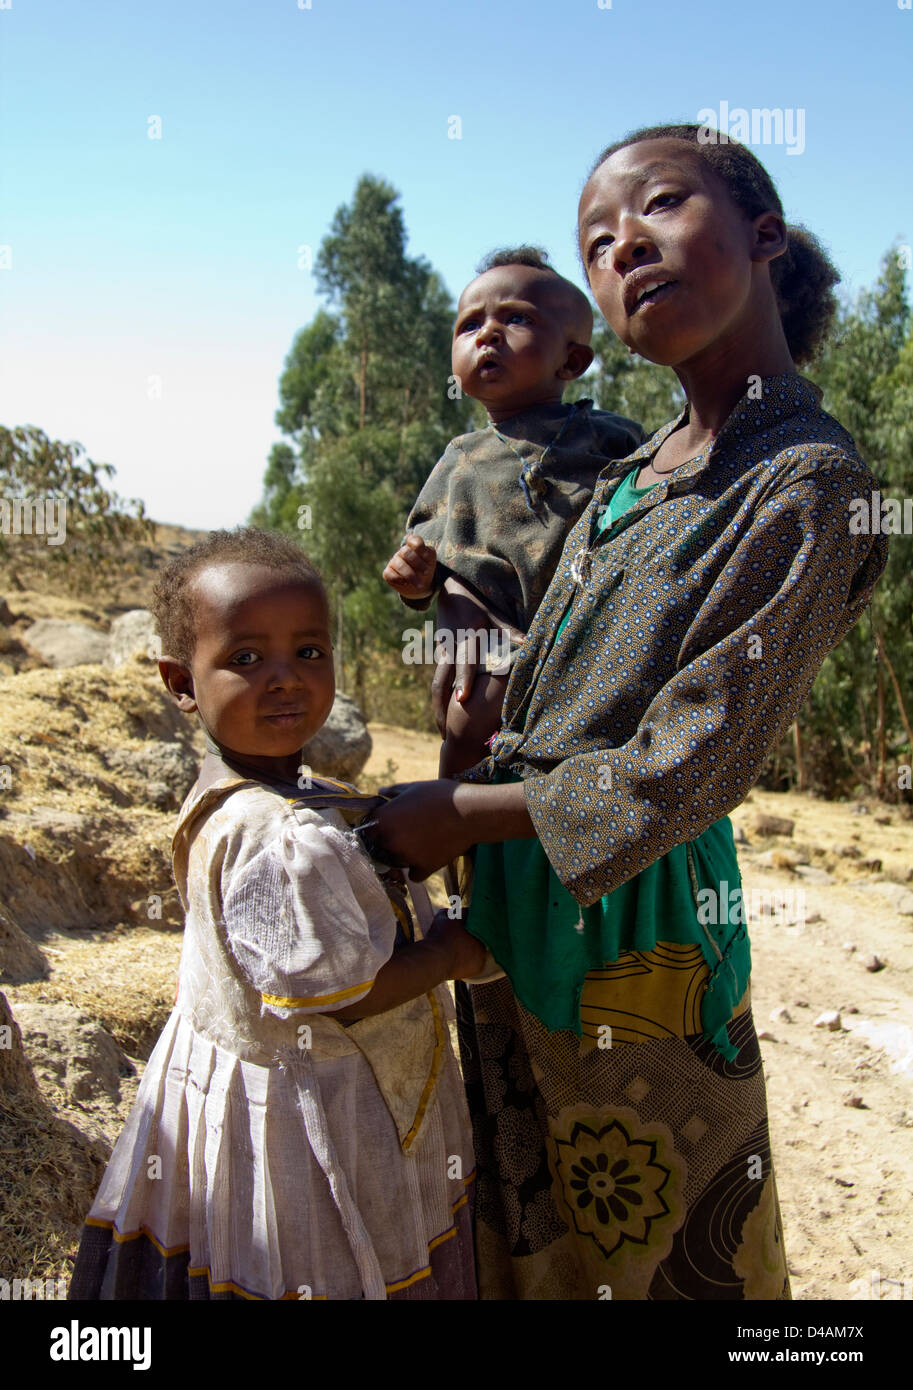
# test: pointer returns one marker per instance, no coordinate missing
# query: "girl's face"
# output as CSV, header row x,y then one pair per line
x,y
262,667
668,254
512,343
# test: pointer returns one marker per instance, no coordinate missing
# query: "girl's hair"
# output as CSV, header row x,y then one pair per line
x,y
803,277
173,594
532,256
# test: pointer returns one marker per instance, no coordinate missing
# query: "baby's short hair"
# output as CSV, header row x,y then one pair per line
x,y
532,256
173,595
578,307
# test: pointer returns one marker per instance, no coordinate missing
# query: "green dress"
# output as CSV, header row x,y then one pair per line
x,y
547,944
615,1082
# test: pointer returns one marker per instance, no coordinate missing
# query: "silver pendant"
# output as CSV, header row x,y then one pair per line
x,y
580,567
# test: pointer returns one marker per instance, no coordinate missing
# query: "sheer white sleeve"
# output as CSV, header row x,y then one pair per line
x,y
307,919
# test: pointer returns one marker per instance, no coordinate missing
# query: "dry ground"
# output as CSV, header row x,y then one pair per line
x,y
845,1171
841,1102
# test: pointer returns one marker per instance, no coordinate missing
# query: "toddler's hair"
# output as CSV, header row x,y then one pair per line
x,y
578,306
532,256
173,593
803,277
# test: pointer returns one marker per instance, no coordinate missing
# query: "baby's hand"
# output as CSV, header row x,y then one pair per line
x,y
468,955
411,571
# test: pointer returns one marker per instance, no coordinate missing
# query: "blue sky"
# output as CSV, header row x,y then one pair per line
x,y
154,286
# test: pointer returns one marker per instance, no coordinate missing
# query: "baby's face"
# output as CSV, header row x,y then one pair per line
x,y
511,340
262,667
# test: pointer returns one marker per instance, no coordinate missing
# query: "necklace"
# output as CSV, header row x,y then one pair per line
x,y
534,486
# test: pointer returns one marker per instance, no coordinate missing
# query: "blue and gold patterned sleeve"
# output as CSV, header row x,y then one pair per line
x,y
786,593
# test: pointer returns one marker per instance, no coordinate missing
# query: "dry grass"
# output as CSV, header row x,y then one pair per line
x,y
48,1173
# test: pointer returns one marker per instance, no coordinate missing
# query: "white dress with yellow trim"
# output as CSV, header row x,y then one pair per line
x,y
273,1151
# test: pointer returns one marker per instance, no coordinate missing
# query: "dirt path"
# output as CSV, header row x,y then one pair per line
x,y
841,1101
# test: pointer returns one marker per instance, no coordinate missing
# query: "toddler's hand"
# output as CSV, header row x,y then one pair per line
x,y
411,571
468,953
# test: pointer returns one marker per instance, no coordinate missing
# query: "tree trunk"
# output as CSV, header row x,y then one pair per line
x,y
362,387
800,765
866,741
339,662
402,434
882,750
897,691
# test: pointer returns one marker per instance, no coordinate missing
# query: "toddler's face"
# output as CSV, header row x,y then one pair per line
x,y
510,340
262,667
667,252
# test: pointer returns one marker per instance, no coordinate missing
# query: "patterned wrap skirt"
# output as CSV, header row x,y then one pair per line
x,y
631,1163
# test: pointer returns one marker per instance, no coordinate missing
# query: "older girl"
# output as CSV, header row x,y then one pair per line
x,y
615,1076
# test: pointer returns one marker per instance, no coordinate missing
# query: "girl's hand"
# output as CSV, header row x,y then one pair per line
x,y
468,954
419,827
427,824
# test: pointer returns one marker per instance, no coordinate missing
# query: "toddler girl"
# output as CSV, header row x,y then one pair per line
x,y
300,1130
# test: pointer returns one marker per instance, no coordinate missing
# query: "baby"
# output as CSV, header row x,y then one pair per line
x,y
491,521
300,1130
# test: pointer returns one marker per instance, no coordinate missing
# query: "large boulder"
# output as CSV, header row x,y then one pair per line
x,y
160,774
343,746
21,958
49,1170
133,637
60,643
71,1050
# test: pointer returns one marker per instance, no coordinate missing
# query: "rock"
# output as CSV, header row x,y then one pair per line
x,y
766,1036
848,851
812,874
849,945
883,820
343,746
777,859
21,958
160,795
873,964
71,1050
813,917
860,809
6,617
871,866
854,1102
160,774
133,637
830,1019
802,1004
738,834
60,643
773,825
15,1068
900,898
780,1015
49,1170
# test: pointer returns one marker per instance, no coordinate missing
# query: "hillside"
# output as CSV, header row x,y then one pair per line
x,y
90,937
